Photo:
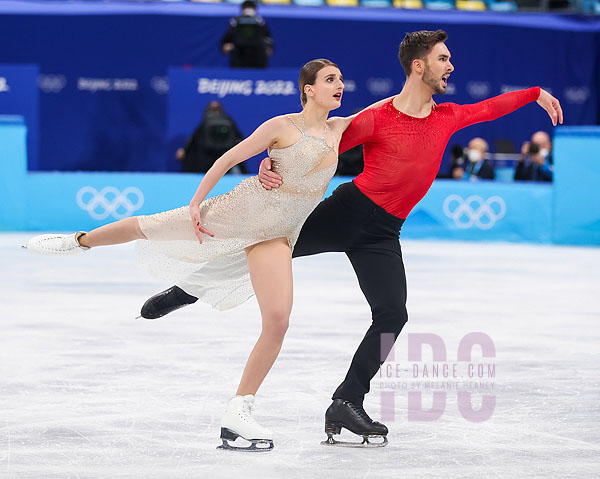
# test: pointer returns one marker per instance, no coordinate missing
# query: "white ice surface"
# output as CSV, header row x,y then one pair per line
x,y
87,391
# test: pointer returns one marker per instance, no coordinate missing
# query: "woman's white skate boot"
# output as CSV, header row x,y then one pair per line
x,y
239,423
56,244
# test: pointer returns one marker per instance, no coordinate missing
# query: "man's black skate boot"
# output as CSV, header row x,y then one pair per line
x,y
343,413
165,302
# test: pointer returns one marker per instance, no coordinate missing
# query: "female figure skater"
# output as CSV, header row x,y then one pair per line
x,y
225,249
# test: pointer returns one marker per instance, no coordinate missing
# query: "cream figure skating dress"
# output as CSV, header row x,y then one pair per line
x,y
216,270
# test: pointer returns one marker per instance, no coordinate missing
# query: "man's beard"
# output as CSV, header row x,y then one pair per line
x,y
432,82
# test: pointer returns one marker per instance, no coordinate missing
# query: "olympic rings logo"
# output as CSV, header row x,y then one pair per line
x,y
109,201
474,211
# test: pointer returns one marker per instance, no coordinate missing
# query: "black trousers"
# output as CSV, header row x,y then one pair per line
x,y
349,222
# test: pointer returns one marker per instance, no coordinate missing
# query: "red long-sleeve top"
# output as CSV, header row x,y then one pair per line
x,y
403,153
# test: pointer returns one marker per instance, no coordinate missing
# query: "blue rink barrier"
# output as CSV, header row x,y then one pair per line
x,y
483,211
577,182
568,212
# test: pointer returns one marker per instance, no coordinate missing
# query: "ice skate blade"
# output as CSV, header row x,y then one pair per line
x,y
251,448
364,444
228,435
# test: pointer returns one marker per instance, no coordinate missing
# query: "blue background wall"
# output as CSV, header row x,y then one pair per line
x,y
103,81
19,95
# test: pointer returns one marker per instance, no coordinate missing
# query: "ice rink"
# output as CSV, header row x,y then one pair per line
x,y
88,391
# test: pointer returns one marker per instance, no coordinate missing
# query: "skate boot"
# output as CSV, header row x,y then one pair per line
x,y
346,414
165,302
239,423
56,244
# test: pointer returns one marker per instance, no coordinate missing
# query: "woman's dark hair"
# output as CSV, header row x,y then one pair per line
x,y
308,74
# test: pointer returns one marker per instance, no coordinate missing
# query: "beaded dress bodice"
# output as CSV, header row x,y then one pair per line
x,y
301,164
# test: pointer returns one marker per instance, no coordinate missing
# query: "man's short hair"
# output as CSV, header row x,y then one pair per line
x,y
418,45
249,4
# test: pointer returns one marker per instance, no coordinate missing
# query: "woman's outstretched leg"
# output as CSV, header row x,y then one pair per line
x,y
121,231
270,265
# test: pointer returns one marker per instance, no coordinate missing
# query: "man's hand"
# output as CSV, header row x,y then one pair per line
x,y
268,179
199,228
227,48
551,105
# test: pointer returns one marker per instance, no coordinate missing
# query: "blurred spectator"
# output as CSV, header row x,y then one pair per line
x,y
477,166
248,41
535,163
216,134
470,162
457,162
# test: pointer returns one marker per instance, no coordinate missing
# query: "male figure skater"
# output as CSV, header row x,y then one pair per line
x,y
404,140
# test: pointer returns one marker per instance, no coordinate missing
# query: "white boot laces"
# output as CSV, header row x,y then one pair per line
x,y
247,408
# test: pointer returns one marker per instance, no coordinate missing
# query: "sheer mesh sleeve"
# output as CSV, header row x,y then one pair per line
x,y
360,131
493,108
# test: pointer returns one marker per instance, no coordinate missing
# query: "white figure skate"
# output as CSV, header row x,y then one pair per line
x,y
56,244
239,423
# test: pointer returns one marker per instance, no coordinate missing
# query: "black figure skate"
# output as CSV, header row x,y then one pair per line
x,y
165,302
346,414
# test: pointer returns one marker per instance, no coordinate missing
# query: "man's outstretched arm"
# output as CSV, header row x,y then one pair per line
x,y
507,103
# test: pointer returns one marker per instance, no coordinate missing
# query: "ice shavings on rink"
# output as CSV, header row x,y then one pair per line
x,y
87,391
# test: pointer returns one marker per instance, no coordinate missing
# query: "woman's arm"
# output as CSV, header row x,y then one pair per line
x,y
262,138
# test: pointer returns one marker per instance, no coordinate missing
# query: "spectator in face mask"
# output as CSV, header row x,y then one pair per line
x,y
248,41
477,166
535,163
216,134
